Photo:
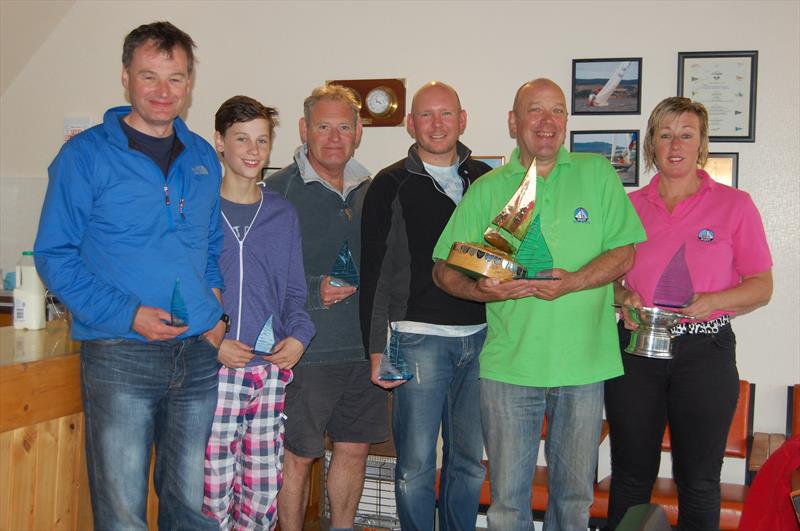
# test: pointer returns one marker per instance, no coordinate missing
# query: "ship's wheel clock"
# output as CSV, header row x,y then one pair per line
x,y
383,101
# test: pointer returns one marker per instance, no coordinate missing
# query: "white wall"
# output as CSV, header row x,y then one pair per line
x,y
278,51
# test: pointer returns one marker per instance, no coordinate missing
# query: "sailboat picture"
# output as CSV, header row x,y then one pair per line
x,y
620,147
606,86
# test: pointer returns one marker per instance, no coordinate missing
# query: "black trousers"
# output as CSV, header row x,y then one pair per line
x,y
696,392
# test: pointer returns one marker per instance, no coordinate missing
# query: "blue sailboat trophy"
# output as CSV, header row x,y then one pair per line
x,y
178,314
535,253
266,340
393,364
674,288
344,271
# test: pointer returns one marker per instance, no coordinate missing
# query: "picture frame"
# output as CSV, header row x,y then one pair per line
x,y
724,168
269,170
726,83
607,86
619,146
494,161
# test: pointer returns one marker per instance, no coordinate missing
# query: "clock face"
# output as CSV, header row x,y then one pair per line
x,y
381,101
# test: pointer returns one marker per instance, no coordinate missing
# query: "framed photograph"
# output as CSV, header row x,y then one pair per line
x,y
724,168
494,161
269,170
607,86
620,147
725,82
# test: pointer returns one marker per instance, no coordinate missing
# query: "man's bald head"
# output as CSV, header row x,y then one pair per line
x,y
535,84
433,86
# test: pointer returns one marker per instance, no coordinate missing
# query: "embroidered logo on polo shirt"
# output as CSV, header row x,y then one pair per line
x,y
705,235
581,215
200,170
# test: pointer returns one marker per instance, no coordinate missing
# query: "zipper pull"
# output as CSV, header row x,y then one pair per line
x,y
166,194
180,208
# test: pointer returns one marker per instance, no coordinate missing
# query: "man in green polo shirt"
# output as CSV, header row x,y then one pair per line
x,y
550,343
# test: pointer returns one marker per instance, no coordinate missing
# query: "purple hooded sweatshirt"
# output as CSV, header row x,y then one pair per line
x,y
264,275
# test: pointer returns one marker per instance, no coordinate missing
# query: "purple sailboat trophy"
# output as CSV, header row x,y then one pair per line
x,y
674,288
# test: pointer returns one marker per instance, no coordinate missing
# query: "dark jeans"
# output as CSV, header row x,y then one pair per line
x,y
443,392
696,393
135,393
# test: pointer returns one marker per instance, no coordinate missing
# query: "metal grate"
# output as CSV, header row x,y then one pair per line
x,y
377,508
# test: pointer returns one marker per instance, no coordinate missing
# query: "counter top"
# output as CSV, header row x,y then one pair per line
x,y
23,346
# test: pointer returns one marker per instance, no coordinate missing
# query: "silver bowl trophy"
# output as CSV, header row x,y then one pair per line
x,y
653,339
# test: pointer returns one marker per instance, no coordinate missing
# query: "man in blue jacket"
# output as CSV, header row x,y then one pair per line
x,y
129,239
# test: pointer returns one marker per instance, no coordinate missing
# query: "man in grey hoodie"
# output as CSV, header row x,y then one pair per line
x,y
331,391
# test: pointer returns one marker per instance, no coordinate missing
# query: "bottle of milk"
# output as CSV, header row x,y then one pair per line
x,y
28,295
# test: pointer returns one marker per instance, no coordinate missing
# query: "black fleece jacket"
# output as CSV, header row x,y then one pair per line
x,y
405,211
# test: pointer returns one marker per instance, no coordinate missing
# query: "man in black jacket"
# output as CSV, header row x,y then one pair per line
x,y
440,336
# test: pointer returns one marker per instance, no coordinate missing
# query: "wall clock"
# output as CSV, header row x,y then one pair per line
x,y
383,101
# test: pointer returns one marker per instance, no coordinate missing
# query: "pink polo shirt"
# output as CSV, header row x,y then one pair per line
x,y
720,227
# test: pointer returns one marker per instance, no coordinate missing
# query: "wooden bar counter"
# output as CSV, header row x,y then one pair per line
x,y
43,482
43,479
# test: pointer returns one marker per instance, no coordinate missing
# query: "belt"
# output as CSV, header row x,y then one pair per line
x,y
706,327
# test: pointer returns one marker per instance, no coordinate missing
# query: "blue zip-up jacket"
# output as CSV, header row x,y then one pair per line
x,y
110,241
263,272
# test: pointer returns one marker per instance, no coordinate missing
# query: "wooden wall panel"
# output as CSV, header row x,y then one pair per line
x,y
152,499
43,476
23,463
6,440
83,518
72,482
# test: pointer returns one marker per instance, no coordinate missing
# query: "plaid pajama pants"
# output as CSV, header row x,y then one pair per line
x,y
244,456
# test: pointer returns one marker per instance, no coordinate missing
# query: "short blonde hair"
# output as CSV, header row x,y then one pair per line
x,y
334,93
668,110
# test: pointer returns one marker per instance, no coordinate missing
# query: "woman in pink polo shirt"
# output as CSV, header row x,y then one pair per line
x,y
710,238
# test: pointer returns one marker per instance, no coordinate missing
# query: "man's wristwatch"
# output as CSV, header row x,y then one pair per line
x,y
227,320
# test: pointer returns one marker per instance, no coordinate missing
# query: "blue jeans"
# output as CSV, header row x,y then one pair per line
x,y
512,424
444,390
135,393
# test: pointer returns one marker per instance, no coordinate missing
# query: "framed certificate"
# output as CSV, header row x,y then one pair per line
x,y
725,82
723,168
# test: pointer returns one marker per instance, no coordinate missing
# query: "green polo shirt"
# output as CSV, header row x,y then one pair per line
x,y
584,212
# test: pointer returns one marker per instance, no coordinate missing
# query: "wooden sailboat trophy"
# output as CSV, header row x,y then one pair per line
x,y
496,257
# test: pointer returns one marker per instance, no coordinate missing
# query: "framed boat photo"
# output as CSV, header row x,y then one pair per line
x,y
620,147
494,161
607,86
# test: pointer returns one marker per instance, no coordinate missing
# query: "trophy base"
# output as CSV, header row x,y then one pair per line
x,y
652,339
483,261
650,343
